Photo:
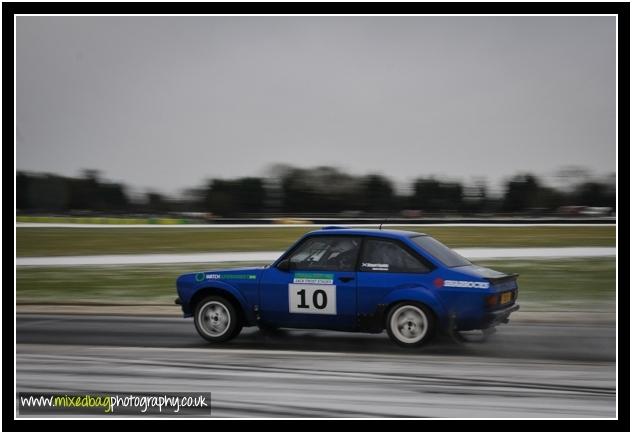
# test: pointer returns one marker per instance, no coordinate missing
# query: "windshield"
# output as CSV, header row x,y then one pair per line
x,y
440,251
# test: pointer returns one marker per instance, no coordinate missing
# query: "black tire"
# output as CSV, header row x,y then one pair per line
x,y
205,322
419,328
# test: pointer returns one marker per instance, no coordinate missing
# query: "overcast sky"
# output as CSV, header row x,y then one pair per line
x,y
167,102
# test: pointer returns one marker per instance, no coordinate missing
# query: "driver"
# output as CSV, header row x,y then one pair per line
x,y
343,254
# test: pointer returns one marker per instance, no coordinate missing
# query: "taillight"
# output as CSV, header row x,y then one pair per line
x,y
491,300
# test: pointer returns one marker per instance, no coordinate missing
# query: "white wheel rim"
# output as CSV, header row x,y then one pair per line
x,y
214,318
409,324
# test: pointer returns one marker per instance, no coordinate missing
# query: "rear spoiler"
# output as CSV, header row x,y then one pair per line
x,y
496,280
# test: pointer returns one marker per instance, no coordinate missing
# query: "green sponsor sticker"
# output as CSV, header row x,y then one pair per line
x,y
216,276
238,276
314,276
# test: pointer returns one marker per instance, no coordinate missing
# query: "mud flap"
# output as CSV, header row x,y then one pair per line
x,y
452,332
460,338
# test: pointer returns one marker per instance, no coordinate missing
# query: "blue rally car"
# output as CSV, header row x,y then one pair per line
x,y
363,280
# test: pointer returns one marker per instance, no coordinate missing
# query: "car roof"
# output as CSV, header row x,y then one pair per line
x,y
384,233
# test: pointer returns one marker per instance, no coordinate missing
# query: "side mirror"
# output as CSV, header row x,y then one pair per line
x,y
284,265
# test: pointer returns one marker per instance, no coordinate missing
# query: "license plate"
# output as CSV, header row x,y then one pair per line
x,y
505,297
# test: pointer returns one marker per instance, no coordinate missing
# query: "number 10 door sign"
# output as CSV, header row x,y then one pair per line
x,y
306,298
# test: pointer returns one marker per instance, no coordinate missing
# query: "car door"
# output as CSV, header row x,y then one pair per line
x,y
318,290
386,265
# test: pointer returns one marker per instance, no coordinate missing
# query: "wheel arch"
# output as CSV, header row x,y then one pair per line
x,y
419,296
389,307
234,298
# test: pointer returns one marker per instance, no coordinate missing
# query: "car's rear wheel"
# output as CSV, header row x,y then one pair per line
x,y
410,324
216,319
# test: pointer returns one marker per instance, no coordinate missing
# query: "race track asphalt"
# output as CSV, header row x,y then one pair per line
x,y
524,370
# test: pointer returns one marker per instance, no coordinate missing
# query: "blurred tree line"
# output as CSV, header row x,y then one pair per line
x,y
308,191
45,192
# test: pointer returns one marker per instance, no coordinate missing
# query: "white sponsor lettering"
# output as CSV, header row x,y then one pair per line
x,y
465,284
316,281
375,266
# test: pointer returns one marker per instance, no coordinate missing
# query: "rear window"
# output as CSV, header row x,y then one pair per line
x,y
440,251
388,256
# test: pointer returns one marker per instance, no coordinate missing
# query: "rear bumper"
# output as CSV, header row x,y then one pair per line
x,y
500,316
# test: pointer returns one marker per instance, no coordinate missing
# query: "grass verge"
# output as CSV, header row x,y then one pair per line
x,y
94,241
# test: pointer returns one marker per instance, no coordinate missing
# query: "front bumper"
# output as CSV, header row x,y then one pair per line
x,y
500,316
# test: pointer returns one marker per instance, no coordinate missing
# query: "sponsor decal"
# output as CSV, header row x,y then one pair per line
x,y
316,278
199,277
439,282
318,299
211,276
238,276
377,267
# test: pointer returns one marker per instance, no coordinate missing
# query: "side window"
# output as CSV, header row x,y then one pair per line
x,y
388,256
337,253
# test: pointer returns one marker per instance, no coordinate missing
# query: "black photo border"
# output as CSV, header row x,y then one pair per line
x,y
9,423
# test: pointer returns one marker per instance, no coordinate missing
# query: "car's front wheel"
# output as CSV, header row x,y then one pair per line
x,y
216,319
410,324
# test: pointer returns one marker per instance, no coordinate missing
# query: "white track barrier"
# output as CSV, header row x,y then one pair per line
x,y
268,256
